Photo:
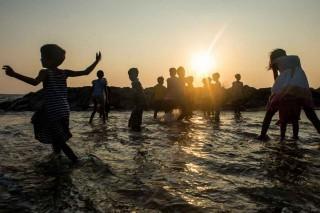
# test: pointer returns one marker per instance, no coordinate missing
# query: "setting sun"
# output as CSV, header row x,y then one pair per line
x,y
202,64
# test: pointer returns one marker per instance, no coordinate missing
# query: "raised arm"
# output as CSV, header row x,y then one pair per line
x,y
88,70
33,81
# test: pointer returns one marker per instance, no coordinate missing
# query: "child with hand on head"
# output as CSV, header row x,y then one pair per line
x,y
52,124
135,120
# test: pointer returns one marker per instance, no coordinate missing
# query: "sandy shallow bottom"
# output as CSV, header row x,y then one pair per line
x,y
190,166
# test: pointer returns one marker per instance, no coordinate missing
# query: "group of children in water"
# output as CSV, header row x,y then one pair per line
x,y
290,93
180,93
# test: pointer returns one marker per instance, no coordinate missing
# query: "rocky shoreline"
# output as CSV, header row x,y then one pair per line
x,y
121,99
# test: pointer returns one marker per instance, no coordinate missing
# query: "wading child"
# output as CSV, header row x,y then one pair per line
x,y
189,95
290,81
158,96
217,96
135,120
237,94
99,96
172,95
51,124
182,103
206,100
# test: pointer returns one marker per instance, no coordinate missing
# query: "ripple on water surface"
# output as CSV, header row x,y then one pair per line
x,y
190,166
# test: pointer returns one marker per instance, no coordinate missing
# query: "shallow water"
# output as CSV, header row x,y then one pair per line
x,y
190,166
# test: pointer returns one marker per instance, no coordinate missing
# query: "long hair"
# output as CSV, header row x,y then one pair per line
x,y
276,53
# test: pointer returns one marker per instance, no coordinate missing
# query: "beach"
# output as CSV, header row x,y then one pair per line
x,y
189,166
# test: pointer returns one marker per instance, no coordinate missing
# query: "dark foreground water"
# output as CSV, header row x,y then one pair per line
x,y
191,166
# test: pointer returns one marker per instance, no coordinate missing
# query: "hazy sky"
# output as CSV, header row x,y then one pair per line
x,y
155,35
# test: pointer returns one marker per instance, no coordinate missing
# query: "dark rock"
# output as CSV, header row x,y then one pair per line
x,y
122,98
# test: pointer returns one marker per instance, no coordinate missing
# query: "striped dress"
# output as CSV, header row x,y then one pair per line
x,y
56,95
51,123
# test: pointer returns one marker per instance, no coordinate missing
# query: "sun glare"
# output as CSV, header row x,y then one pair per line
x,y
202,64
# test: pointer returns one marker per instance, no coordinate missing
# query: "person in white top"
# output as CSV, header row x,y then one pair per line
x,y
290,81
99,96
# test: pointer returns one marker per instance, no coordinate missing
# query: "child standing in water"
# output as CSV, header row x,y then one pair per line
x,y
54,118
99,96
237,94
182,92
135,120
158,96
172,94
217,96
206,100
189,95
290,92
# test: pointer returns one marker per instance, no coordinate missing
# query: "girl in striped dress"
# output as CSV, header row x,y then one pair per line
x,y
51,123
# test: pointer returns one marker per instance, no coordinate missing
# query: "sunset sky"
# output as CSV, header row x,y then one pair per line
x,y
155,35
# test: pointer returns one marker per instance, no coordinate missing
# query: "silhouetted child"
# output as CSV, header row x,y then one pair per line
x,y
99,96
158,96
289,113
135,120
172,94
182,103
205,97
217,96
189,95
237,94
290,79
51,123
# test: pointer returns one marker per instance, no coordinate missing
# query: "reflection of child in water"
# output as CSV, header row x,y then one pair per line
x,y
237,94
99,96
158,96
135,120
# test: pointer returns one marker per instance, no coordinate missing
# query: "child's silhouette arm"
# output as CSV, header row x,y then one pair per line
x,y
88,70
33,81
275,71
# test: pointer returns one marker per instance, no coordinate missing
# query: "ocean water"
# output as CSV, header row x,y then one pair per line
x,y
189,166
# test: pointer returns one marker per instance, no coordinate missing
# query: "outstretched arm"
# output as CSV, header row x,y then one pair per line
x,y
33,81
87,71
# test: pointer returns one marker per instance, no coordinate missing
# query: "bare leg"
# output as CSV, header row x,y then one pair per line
x,y
295,128
155,114
266,123
103,112
68,151
283,128
312,116
94,111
